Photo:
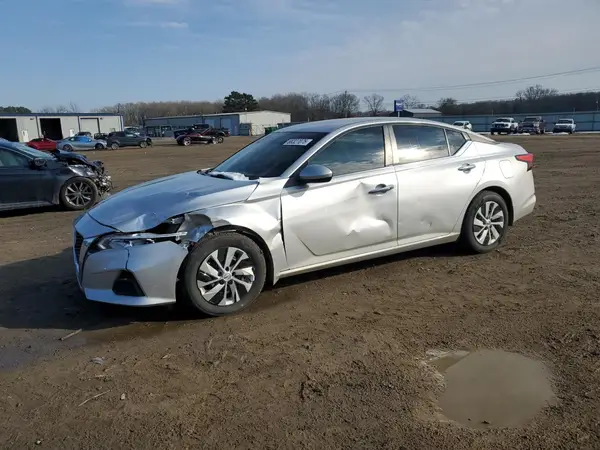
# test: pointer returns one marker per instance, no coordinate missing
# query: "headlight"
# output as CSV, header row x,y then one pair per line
x,y
166,231
116,241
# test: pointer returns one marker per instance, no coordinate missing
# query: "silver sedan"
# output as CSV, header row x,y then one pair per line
x,y
80,143
300,199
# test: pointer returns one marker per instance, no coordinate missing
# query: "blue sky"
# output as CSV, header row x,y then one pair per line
x,y
100,52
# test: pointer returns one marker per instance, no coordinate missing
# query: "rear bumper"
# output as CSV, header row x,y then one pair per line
x,y
525,208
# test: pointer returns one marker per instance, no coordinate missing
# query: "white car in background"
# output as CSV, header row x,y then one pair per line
x,y
463,124
564,126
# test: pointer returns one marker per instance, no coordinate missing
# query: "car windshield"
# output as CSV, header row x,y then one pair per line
x,y
530,119
270,155
565,121
32,152
459,123
502,119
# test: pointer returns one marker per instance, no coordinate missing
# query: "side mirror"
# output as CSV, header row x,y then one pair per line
x,y
38,163
315,173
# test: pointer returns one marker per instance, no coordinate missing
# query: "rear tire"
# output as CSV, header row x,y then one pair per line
x,y
485,223
143,144
220,139
186,141
67,148
114,146
78,193
98,146
229,285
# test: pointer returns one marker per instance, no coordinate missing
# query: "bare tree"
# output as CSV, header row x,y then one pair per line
x,y
535,93
345,104
374,104
447,105
73,107
411,101
54,110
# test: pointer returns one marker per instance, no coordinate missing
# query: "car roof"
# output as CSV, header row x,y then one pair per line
x,y
330,125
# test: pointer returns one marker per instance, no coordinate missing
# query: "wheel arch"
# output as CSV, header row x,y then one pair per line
x,y
502,193
257,240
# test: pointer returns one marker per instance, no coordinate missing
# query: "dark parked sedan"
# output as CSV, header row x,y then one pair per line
x,y
30,178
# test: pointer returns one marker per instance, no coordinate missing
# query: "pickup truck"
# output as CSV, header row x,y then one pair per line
x,y
564,126
504,125
533,125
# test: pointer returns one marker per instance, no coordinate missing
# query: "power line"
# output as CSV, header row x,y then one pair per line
x,y
484,99
480,84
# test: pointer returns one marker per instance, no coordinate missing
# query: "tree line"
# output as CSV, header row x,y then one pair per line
x,y
312,106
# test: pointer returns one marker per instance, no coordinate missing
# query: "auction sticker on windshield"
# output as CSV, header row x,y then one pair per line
x,y
301,142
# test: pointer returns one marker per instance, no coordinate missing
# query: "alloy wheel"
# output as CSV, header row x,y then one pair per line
x,y
488,223
225,276
79,194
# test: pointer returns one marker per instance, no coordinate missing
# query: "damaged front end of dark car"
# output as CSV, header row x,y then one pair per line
x,y
102,180
32,178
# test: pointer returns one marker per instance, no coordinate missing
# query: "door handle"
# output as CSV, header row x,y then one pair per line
x,y
381,189
466,167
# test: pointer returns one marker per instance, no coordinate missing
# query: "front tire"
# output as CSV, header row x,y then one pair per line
x,y
224,274
485,224
220,139
98,146
67,148
114,146
78,193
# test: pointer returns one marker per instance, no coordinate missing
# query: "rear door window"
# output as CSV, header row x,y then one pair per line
x,y
419,143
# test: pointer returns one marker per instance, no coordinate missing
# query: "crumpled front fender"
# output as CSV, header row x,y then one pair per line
x,y
261,220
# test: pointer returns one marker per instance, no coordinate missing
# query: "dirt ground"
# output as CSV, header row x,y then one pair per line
x,y
328,360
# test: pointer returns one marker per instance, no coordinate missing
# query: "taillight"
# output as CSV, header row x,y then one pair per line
x,y
526,158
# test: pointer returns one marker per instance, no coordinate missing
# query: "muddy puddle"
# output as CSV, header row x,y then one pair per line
x,y
492,388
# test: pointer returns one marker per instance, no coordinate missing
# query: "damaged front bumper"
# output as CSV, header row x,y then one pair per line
x,y
144,275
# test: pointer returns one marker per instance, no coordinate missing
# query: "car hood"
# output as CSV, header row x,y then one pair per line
x,y
147,205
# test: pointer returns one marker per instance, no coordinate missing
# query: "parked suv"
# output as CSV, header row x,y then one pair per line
x,y
504,125
564,126
533,125
118,139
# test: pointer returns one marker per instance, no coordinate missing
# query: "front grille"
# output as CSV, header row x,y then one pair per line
x,y
77,243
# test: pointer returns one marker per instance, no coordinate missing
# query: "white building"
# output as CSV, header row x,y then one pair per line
x,y
251,123
24,127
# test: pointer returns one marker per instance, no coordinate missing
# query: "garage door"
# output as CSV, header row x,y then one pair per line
x,y
226,122
91,125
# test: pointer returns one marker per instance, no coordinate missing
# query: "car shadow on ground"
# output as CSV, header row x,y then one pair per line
x,y
29,211
42,293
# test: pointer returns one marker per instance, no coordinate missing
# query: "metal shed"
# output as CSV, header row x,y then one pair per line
x,y
24,127
239,123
